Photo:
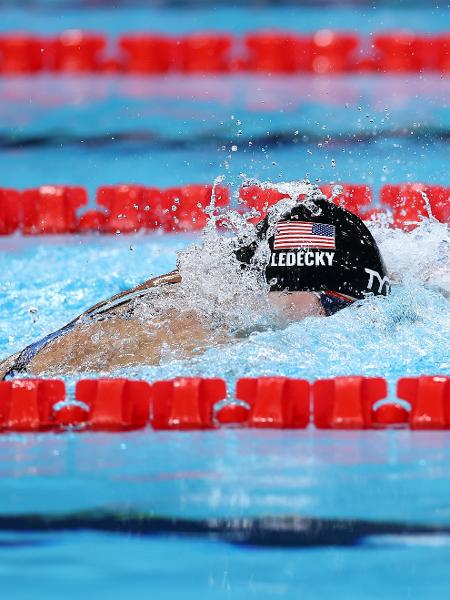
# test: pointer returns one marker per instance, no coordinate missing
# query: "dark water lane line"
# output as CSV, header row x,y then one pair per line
x,y
282,532
136,139
165,4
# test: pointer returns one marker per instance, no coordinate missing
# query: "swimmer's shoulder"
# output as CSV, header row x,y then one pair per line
x,y
139,291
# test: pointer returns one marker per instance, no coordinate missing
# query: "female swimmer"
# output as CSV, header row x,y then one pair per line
x,y
316,263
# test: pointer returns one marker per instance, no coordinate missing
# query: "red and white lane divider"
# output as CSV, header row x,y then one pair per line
x,y
280,52
53,209
199,404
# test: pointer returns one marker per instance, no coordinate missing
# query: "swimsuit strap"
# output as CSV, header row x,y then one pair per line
x,y
26,356
123,297
332,302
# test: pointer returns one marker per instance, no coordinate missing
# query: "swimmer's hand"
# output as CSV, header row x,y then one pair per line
x,y
438,278
430,283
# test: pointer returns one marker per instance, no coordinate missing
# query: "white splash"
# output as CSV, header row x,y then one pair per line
x,y
420,257
297,192
214,285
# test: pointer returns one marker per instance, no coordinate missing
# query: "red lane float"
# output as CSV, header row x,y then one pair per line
x,y
398,51
257,198
355,198
75,51
332,51
278,52
411,52
276,402
21,53
27,405
147,53
281,52
342,403
125,204
347,402
113,405
390,414
10,211
205,53
183,208
429,398
441,44
408,203
93,220
186,402
134,207
52,209
232,413
131,207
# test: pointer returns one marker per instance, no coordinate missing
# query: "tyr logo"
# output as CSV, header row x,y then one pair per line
x,y
374,276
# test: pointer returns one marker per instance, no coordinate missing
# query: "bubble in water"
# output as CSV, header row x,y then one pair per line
x,y
34,313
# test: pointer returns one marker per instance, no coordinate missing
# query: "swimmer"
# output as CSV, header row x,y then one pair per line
x,y
314,265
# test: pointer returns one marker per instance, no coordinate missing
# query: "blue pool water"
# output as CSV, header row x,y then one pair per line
x,y
165,132
383,476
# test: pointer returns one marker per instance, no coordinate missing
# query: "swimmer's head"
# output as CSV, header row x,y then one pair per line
x,y
325,249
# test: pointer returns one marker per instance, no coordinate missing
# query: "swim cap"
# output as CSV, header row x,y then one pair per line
x,y
324,249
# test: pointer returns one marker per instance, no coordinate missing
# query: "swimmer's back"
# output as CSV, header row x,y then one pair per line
x,y
112,307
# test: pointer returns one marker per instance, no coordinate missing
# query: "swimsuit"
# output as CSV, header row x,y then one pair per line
x,y
332,302
26,356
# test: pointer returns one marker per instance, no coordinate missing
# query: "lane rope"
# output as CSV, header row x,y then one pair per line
x,y
55,209
195,403
322,52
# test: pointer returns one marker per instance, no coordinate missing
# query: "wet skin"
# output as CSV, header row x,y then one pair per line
x,y
114,339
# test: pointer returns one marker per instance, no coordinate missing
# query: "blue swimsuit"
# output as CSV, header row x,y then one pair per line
x,y
332,302
27,355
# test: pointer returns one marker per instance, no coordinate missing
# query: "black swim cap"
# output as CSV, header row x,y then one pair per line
x,y
327,249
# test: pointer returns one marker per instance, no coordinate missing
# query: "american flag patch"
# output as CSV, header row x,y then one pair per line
x,y
300,234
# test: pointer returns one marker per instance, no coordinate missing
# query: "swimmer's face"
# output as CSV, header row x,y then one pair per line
x,y
294,306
